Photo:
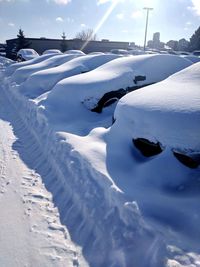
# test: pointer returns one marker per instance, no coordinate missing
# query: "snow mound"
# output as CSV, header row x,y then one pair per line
x,y
164,110
71,98
43,81
5,61
4,64
21,74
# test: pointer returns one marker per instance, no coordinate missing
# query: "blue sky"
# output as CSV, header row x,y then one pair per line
x,y
125,20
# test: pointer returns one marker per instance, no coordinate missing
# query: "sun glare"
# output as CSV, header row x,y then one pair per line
x,y
149,3
102,21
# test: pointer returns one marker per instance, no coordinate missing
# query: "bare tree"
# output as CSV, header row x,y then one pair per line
x,y
86,35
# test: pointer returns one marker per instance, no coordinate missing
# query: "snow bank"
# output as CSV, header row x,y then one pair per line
x,y
21,74
5,61
123,208
43,81
71,98
99,217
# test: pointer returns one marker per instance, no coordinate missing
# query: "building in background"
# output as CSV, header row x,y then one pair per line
x,y
42,44
156,43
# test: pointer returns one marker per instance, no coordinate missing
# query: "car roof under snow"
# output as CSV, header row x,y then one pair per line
x,y
167,112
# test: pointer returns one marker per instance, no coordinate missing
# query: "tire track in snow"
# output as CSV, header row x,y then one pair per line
x,y
50,243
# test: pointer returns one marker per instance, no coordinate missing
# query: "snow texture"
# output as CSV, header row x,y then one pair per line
x,y
43,81
122,208
22,73
90,87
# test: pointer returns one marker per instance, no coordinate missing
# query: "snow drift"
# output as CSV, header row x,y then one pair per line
x,y
15,66
22,73
125,209
70,101
43,81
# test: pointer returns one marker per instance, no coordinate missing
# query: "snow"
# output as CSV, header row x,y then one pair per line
x,y
22,73
90,88
9,71
52,51
169,105
5,61
43,81
27,54
192,58
120,207
77,52
166,191
31,233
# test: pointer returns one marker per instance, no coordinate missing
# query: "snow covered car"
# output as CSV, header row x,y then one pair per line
x,y
77,52
9,71
162,111
21,74
153,155
119,52
73,98
192,58
26,54
44,80
52,51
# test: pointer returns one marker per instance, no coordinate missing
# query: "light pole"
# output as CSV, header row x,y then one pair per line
x,y
147,19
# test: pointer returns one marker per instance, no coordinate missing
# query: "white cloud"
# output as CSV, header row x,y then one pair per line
x,y
10,23
59,19
137,14
60,2
83,25
100,2
195,7
120,16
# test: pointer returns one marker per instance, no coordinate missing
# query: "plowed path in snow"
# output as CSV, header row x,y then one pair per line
x,y
30,230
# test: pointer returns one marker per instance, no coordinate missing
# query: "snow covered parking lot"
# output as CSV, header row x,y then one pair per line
x,y
121,208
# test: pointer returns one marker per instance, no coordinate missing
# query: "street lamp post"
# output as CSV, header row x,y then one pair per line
x,y
147,19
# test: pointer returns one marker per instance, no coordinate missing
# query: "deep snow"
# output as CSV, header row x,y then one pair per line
x,y
69,111
30,230
43,81
123,209
22,73
9,71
